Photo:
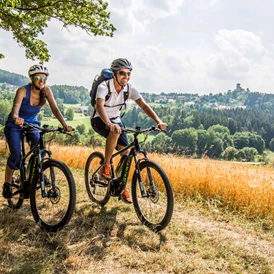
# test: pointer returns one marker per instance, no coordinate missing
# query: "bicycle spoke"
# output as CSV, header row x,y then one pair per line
x,y
17,191
97,188
55,210
154,207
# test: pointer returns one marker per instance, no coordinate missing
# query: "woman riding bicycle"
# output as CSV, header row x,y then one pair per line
x,y
28,102
106,118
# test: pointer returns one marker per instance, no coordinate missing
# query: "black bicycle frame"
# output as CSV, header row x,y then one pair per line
x,y
135,148
36,164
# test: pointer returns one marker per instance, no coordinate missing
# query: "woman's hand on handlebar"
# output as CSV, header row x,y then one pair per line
x,y
18,121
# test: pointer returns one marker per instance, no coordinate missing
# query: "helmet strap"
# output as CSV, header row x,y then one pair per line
x,y
115,76
37,88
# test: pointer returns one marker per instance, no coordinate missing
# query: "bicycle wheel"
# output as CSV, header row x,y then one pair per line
x,y
54,211
97,189
17,191
155,208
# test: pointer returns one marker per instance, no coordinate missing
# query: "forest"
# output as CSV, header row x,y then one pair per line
x,y
234,125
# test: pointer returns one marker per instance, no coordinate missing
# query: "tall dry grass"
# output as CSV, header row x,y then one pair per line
x,y
239,187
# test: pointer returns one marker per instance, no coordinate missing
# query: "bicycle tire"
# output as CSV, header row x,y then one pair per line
x,y
96,192
55,211
17,191
155,211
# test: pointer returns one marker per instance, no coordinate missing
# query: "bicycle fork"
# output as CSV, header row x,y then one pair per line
x,y
151,191
42,177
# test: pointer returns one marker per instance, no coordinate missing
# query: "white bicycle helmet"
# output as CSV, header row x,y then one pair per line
x,y
38,69
120,63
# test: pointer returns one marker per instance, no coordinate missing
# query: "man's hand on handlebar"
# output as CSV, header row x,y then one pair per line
x,y
162,125
69,128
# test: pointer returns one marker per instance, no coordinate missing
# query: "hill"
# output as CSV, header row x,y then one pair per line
x,y
12,78
234,98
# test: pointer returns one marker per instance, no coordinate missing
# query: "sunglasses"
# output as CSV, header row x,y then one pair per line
x,y
40,78
124,73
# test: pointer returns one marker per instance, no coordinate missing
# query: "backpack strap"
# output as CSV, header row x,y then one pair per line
x,y
106,98
126,94
108,95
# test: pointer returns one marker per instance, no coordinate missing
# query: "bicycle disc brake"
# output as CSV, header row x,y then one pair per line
x,y
54,195
153,195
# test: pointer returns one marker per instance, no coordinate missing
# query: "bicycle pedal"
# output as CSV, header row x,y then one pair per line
x,y
100,183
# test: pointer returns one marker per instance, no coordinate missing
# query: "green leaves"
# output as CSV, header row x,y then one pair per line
x,y
27,19
10,3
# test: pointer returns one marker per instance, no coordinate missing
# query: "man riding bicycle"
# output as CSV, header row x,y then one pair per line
x,y
106,113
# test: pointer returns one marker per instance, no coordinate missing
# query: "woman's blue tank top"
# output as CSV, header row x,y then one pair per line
x,y
27,111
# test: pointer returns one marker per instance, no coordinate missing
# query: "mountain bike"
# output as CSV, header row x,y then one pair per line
x,y
151,189
48,183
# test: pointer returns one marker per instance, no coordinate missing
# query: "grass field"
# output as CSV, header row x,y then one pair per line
x,y
222,223
78,120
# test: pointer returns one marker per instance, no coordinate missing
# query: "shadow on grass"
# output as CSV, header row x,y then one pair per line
x,y
92,232
102,227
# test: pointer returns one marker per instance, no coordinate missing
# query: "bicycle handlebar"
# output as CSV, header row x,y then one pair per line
x,y
138,130
45,128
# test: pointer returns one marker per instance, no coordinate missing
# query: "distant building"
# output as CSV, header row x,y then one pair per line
x,y
81,109
238,87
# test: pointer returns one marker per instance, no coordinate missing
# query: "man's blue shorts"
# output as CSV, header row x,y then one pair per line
x,y
100,127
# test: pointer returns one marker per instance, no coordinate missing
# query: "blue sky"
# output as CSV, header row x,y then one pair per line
x,y
188,46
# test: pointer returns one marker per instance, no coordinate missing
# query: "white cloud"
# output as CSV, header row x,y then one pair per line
x,y
244,42
238,51
197,46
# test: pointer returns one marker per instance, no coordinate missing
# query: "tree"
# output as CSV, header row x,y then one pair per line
x,y
214,143
9,3
241,140
5,108
250,153
186,139
60,105
73,140
81,129
47,111
229,153
4,86
232,125
70,114
271,144
27,19
40,116
160,142
257,142
219,129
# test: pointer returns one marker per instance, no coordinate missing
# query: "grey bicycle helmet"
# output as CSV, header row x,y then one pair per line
x,y
38,69
120,63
